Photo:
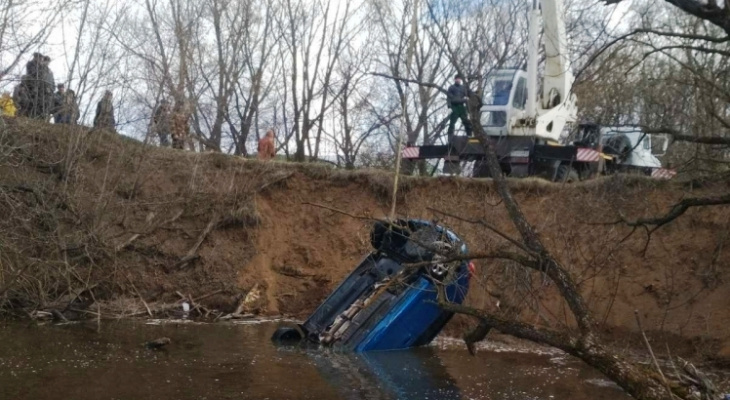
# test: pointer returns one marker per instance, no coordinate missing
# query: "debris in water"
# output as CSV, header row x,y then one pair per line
x,y
158,343
237,316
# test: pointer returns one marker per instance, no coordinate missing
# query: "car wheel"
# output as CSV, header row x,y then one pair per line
x,y
438,270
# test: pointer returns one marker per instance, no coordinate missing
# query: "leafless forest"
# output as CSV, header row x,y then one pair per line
x,y
319,72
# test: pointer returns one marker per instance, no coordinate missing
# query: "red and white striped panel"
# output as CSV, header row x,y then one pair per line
x,y
587,155
411,152
663,173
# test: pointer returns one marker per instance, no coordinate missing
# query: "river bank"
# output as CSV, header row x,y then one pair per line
x,y
100,226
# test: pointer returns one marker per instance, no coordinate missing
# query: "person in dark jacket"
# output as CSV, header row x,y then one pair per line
x,y
68,110
457,98
21,98
104,118
58,99
35,97
161,123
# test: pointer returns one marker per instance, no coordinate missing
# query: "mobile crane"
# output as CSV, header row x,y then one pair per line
x,y
539,136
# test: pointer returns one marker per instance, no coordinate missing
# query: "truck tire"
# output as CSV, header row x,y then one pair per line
x,y
566,174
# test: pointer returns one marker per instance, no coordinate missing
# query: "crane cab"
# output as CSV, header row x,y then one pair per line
x,y
505,98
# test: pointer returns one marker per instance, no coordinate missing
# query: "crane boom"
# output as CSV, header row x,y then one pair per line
x,y
557,107
558,77
516,109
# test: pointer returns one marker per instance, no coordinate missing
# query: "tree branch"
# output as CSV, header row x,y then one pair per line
x,y
426,84
680,137
679,209
710,12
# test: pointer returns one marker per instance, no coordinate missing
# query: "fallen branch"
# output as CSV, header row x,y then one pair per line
x,y
148,231
127,242
583,347
12,280
651,353
195,306
146,306
205,296
193,252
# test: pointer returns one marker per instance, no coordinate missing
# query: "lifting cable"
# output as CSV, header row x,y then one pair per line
x,y
412,38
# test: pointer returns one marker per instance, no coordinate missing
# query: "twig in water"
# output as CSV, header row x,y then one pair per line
x,y
149,312
651,353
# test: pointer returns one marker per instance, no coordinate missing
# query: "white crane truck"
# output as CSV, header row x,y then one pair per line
x,y
540,137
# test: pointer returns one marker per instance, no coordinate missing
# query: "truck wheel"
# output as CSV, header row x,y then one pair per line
x,y
566,174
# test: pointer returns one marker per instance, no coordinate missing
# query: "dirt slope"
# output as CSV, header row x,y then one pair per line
x,y
93,214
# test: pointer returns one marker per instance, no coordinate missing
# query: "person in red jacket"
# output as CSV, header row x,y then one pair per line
x,y
267,147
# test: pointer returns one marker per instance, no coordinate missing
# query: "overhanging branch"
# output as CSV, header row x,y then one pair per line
x,y
680,137
678,209
420,83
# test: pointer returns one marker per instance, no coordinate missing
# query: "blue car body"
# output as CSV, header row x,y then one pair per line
x,y
383,306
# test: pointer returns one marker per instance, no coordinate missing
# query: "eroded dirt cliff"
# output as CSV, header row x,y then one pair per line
x,y
87,217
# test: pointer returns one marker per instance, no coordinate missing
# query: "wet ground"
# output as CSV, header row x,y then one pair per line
x,y
237,361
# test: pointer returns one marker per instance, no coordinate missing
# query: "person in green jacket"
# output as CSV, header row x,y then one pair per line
x,y
457,98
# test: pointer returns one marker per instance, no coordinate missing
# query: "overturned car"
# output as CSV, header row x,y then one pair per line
x,y
389,301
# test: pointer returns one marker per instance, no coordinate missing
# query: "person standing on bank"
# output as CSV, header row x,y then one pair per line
x,y
267,147
7,106
457,97
58,99
104,118
162,124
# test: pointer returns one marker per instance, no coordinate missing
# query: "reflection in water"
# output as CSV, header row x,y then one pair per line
x,y
406,374
226,361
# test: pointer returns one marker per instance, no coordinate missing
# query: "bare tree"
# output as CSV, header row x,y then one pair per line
x,y
258,71
19,31
96,64
358,117
667,74
314,36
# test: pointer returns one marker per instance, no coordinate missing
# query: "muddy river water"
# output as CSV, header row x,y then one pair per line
x,y
238,361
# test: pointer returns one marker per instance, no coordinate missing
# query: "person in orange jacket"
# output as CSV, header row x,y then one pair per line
x,y
7,106
267,148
